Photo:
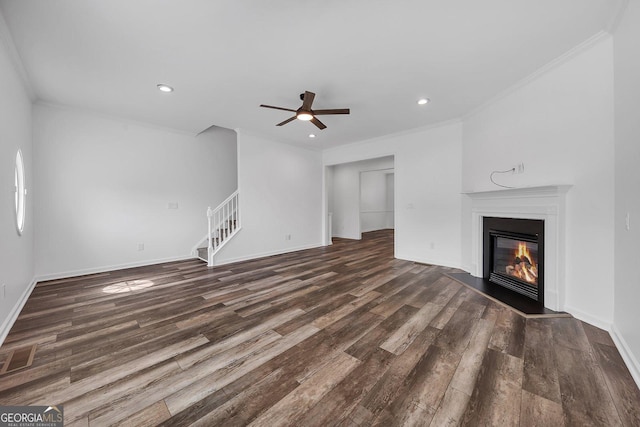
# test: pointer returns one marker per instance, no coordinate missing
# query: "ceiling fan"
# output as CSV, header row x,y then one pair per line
x,y
306,113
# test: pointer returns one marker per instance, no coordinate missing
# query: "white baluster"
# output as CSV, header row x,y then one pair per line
x,y
210,247
218,228
223,222
226,219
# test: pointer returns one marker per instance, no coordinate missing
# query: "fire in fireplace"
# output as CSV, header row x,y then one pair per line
x,y
524,265
513,254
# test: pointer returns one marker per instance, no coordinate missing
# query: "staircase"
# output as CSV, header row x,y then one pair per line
x,y
223,224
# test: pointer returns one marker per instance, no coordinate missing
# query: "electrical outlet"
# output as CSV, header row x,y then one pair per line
x,y
433,245
520,168
3,291
172,205
287,237
140,246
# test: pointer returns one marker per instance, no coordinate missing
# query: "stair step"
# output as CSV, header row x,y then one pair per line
x,y
223,223
202,254
224,234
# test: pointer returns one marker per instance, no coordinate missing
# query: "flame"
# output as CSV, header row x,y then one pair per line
x,y
523,251
523,270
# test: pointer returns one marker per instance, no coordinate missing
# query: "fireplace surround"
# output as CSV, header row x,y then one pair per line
x,y
546,203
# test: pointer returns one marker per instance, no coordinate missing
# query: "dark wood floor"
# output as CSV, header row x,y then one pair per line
x,y
344,335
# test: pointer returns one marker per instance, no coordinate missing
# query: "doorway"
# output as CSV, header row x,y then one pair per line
x,y
360,197
376,200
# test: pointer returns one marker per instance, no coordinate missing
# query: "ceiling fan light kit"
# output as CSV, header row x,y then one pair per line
x,y
302,115
305,112
164,88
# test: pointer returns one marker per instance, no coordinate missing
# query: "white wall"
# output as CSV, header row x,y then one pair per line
x,y
390,202
427,189
373,201
16,251
344,195
280,195
627,187
328,205
560,124
104,187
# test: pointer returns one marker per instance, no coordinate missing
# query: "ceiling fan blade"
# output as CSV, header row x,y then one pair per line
x,y
318,123
277,108
286,121
333,111
307,101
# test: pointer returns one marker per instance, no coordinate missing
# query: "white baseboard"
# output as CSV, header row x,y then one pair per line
x,y
624,350
266,254
469,268
15,312
105,269
552,300
626,353
369,230
339,236
430,261
592,320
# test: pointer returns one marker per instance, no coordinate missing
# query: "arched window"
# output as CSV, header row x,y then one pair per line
x,y
20,192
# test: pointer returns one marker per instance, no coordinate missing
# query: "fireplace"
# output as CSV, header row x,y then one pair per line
x,y
547,205
513,255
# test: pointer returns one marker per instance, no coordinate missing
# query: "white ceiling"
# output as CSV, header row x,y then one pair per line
x,y
226,57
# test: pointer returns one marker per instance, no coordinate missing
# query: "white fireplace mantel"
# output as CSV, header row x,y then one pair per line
x,y
546,203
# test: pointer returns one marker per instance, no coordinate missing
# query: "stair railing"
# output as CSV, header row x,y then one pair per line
x,y
223,223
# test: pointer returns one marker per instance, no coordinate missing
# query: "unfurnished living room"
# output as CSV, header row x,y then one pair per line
x,y
235,212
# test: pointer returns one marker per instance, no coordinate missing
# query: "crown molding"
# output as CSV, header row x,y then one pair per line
x,y
301,145
106,116
617,16
16,59
549,66
405,132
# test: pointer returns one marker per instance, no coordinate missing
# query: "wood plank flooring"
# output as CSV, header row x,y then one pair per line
x,y
344,335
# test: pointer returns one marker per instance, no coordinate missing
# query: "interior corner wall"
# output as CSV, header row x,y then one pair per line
x,y
560,125
427,189
114,194
627,185
280,199
16,251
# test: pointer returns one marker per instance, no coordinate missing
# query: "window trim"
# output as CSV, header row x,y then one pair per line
x,y
20,192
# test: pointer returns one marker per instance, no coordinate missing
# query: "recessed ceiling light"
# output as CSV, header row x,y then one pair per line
x,y
423,101
165,88
311,135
